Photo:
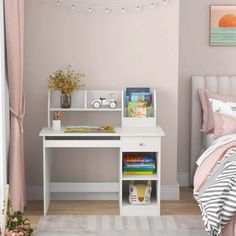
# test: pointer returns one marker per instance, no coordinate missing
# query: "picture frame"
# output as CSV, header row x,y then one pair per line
x,y
222,25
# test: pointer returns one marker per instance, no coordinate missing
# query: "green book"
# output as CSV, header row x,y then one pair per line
x,y
137,109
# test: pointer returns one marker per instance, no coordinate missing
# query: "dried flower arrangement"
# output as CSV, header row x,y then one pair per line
x,y
66,81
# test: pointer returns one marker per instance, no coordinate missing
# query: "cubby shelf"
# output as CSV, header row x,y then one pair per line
x,y
140,177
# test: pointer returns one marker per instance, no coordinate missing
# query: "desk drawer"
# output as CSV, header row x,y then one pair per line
x,y
141,144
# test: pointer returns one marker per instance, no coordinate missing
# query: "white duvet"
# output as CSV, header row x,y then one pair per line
x,y
216,144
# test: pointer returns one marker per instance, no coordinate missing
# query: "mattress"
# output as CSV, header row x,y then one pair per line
x,y
207,140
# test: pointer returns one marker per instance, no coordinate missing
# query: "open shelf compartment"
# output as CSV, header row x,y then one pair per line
x,y
153,176
128,209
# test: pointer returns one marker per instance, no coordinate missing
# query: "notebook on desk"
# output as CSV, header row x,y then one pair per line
x,y
89,129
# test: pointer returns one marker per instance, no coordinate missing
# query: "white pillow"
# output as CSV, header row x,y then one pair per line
x,y
227,108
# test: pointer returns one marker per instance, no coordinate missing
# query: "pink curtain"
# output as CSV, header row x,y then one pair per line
x,y
14,23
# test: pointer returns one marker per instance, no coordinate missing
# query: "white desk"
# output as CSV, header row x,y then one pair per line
x,y
127,140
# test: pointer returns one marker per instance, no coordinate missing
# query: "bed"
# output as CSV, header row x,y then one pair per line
x,y
225,85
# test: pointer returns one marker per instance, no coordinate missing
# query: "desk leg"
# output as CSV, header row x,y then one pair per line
x,y
46,178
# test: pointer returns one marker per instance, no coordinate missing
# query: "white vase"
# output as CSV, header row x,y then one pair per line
x,y
56,125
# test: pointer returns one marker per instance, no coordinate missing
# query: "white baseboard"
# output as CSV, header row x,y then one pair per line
x,y
183,179
35,192
170,192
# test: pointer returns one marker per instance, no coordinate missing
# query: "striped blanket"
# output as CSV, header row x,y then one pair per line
x,y
217,197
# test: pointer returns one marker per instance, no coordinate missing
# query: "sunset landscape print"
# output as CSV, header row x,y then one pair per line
x,y
223,26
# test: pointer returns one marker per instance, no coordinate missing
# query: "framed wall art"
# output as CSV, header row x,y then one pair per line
x,y
223,25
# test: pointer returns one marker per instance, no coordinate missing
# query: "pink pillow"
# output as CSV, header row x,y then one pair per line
x,y
224,125
208,117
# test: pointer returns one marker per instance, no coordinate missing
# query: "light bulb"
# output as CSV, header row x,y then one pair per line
x,y
122,10
72,6
164,2
90,9
138,8
58,3
107,10
152,5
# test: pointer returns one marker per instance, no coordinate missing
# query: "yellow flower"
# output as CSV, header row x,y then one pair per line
x,y
65,81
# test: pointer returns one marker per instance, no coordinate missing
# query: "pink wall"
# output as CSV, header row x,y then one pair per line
x,y
197,57
114,51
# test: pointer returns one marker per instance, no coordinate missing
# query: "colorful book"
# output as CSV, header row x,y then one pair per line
x,y
138,159
137,90
137,109
138,173
139,165
139,97
89,129
139,170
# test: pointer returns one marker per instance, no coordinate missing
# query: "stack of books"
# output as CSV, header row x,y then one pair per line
x,y
139,165
139,102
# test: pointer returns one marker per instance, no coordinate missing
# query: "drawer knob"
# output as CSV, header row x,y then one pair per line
x,y
141,144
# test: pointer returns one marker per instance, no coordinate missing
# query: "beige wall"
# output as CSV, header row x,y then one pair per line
x,y
197,57
114,51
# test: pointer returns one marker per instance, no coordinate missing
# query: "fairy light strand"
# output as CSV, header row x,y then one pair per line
x,y
109,9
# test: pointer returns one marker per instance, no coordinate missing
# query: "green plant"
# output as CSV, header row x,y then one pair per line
x,y
17,222
65,81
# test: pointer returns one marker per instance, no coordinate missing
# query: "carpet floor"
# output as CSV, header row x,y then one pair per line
x,y
118,225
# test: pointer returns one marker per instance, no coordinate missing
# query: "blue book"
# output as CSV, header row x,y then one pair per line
x,y
139,97
137,90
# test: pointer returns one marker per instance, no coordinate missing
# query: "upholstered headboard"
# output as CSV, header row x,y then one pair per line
x,y
220,84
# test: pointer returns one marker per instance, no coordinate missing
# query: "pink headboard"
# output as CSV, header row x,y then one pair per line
x,y
220,84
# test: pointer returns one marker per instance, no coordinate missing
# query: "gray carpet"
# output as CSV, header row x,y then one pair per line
x,y
120,226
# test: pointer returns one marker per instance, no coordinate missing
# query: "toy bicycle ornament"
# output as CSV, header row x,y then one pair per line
x,y
104,102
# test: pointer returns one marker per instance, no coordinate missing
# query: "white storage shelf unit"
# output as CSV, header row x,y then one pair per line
x,y
141,146
136,143
81,100
147,122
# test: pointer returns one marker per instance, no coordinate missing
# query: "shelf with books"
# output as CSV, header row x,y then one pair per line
x,y
139,108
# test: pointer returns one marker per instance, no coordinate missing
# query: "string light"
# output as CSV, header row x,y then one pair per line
x,y
110,9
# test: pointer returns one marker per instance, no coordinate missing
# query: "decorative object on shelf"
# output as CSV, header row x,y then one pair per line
x,y
108,9
104,102
65,100
223,25
16,223
56,123
65,82
140,194
89,129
